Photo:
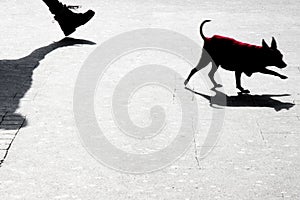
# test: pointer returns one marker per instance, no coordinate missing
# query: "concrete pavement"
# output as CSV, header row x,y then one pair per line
x,y
257,153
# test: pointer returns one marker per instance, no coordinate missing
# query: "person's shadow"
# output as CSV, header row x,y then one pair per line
x,y
16,80
246,100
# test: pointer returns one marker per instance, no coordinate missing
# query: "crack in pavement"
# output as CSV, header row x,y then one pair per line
x,y
195,147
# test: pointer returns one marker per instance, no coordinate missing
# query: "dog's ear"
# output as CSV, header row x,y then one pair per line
x,y
273,44
264,44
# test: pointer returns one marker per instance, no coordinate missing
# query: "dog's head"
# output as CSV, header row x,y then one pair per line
x,y
273,55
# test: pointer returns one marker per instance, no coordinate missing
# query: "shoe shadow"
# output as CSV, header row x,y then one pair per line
x,y
246,100
16,80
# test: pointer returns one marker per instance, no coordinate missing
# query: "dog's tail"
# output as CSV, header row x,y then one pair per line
x,y
201,26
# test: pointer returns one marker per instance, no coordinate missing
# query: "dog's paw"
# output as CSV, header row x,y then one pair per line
x,y
218,86
186,82
283,77
245,91
241,94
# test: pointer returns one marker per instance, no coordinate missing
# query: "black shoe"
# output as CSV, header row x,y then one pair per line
x,y
69,20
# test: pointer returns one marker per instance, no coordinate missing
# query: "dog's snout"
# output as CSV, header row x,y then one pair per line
x,y
281,65
284,64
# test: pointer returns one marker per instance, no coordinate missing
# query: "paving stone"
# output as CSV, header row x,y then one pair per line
x,y
283,125
283,140
6,136
8,132
4,146
2,154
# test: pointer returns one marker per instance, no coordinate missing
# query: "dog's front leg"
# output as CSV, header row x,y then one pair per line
x,y
238,82
267,71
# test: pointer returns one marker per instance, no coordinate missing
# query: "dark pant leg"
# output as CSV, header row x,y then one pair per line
x,y
54,6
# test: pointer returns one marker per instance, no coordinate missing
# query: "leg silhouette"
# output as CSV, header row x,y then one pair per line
x,y
16,79
67,19
205,59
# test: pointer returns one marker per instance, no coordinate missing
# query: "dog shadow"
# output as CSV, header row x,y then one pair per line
x,y
246,100
16,80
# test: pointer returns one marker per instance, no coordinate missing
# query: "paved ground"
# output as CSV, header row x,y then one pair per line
x,y
257,154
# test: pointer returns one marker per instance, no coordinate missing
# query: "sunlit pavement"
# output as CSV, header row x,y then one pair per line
x,y
256,155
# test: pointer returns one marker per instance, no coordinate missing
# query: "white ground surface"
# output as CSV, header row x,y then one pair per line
x,y
256,157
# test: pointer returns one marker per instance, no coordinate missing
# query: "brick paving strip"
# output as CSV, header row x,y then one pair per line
x,y
12,125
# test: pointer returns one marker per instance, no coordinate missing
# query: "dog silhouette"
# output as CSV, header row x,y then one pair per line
x,y
239,57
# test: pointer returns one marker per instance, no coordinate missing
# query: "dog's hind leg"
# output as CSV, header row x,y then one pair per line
x,y
193,71
211,74
203,62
